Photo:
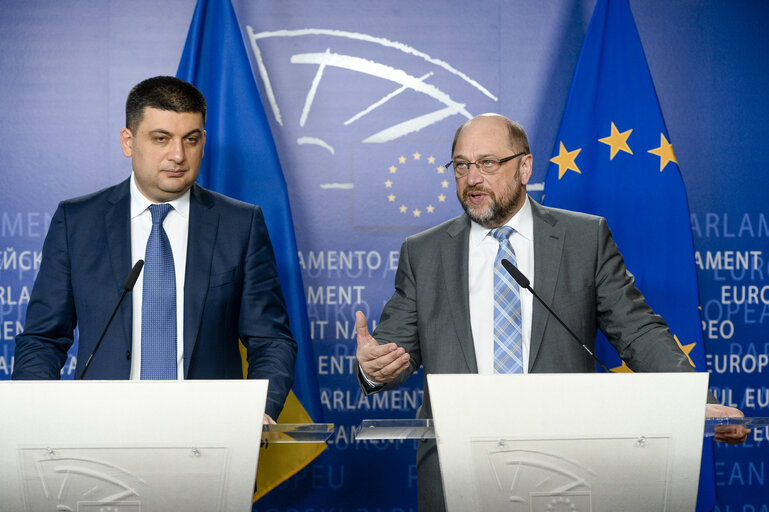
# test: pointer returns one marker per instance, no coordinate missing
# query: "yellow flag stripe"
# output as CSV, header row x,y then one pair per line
x,y
279,462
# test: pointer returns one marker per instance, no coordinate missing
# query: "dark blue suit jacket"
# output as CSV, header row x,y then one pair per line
x,y
231,292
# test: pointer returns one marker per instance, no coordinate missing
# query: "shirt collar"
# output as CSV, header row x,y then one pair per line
x,y
522,222
140,204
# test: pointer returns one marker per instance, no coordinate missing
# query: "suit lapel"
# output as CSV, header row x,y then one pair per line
x,y
117,232
454,254
203,226
548,247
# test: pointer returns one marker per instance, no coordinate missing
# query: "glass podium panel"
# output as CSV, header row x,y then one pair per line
x,y
424,429
370,430
297,433
713,424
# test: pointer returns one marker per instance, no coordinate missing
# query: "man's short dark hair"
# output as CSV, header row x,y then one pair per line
x,y
162,93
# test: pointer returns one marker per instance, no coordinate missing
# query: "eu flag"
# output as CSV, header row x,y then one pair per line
x,y
241,161
613,158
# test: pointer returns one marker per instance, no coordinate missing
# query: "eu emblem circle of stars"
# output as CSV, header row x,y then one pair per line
x,y
438,171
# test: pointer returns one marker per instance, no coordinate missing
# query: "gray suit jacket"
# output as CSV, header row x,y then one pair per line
x,y
579,273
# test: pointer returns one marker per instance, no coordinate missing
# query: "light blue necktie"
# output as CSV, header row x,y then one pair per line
x,y
508,355
159,302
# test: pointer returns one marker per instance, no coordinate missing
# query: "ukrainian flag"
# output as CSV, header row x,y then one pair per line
x,y
242,162
614,158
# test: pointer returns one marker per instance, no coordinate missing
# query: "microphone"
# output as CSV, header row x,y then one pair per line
x,y
128,285
523,282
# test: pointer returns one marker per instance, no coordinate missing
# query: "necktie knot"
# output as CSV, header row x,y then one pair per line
x,y
502,234
159,212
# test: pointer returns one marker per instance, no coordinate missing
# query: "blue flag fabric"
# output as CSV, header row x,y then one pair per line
x,y
613,158
241,161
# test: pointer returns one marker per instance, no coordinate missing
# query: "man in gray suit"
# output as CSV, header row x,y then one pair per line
x,y
442,315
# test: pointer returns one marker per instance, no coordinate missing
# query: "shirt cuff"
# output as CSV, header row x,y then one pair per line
x,y
370,383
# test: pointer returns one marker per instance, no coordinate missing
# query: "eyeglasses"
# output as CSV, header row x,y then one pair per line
x,y
485,165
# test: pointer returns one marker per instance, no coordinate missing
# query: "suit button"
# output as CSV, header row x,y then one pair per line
x,y
128,355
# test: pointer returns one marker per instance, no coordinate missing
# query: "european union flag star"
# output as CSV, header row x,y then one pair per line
x,y
665,152
565,160
686,349
617,141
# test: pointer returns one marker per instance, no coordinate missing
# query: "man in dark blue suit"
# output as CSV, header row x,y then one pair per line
x,y
224,271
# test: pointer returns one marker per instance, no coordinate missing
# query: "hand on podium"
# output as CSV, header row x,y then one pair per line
x,y
379,363
268,420
731,434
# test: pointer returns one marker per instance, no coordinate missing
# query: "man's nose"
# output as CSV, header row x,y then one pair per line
x,y
176,151
474,174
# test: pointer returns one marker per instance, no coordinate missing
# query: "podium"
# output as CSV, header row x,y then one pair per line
x,y
576,442
135,446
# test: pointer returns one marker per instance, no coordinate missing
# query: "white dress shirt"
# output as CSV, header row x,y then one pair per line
x,y
480,276
176,225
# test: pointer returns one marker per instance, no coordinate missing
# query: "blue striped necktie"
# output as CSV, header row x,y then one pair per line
x,y
508,351
159,302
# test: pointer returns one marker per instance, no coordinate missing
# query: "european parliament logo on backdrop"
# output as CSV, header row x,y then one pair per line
x,y
376,115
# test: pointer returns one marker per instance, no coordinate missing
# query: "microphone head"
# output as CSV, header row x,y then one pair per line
x,y
521,279
130,281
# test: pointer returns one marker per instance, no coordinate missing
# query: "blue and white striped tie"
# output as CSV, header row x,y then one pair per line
x,y
508,352
159,302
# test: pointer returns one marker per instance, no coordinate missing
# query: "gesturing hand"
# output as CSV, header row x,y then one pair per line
x,y
380,363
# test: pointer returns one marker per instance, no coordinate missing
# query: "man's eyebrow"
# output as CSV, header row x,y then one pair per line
x,y
485,155
161,131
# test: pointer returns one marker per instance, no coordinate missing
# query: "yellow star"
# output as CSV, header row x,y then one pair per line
x,y
417,156
617,141
403,208
401,159
440,169
566,161
388,184
622,369
442,198
665,152
417,213
445,184
391,198
686,349
393,169
431,160
430,208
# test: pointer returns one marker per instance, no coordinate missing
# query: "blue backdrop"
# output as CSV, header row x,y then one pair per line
x,y
363,98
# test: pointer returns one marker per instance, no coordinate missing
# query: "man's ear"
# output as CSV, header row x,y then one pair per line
x,y
526,167
126,142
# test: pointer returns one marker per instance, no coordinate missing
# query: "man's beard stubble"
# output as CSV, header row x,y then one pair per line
x,y
498,212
